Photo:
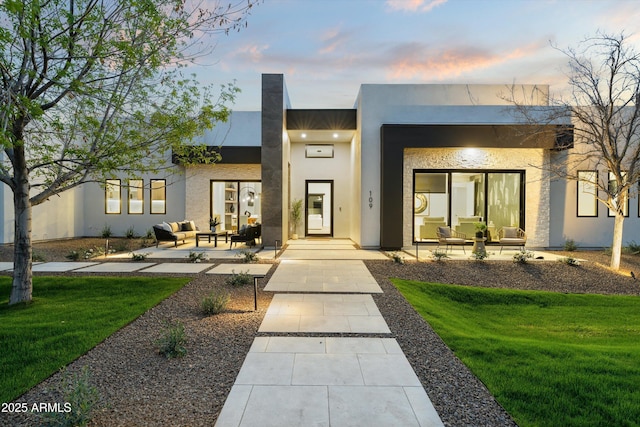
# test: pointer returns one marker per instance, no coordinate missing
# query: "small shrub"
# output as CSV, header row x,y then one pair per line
x,y
480,255
80,398
569,261
397,258
150,234
239,279
130,233
570,245
139,256
214,303
439,254
73,255
171,342
248,256
106,231
36,257
633,247
523,256
196,257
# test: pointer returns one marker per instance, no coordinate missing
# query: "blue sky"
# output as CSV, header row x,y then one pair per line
x,y
327,48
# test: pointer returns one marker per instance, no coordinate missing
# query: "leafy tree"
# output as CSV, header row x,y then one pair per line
x,y
93,88
603,106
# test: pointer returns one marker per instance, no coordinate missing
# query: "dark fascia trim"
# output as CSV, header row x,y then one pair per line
x,y
480,136
338,119
395,138
233,155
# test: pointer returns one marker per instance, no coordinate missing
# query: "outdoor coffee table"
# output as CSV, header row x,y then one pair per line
x,y
210,234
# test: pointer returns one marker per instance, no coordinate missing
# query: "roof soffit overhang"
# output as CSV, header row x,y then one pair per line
x,y
337,119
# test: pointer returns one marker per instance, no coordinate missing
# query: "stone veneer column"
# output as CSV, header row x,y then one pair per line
x,y
273,123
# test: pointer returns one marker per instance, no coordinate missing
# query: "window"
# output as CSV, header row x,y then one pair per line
x,y
461,199
112,196
136,196
158,196
613,190
587,193
235,203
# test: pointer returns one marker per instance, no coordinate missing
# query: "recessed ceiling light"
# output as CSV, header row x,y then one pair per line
x,y
335,135
304,135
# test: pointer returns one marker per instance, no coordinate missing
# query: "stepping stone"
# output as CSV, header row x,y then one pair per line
x,y
323,313
116,267
175,267
253,269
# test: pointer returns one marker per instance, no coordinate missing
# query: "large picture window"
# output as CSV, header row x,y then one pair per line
x,y
612,190
587,193
158,196
462,199
136,196
112,196
236,203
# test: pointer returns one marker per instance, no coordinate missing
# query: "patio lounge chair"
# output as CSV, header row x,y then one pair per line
x,y
512,236
449,237
247,234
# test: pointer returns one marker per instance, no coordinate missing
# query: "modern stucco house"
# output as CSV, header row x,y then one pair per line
x,y
406,158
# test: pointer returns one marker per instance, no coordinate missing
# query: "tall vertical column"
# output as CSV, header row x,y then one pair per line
x,y
273,125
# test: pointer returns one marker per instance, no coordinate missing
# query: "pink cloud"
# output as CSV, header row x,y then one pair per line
x,y
418,61
414,5
251,52
332,40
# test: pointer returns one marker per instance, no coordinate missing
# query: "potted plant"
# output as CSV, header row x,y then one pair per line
x,y
296,216
481,229
213,223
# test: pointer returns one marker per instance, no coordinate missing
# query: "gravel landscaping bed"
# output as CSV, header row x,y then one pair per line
x,y
139,387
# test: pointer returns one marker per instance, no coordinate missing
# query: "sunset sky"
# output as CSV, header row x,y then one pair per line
x,y
327,48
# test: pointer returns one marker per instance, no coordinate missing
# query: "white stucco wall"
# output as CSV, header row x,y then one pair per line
x,y
537,187
356,188
93,205
242,129
59,217
337,169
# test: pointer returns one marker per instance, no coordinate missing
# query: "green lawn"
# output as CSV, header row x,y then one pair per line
x,y
68,317
550,359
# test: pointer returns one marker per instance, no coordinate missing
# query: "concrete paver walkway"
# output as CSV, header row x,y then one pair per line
x,y
326,381
323,313
322,276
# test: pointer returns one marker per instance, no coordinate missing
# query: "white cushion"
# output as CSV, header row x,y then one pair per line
x,y
166,227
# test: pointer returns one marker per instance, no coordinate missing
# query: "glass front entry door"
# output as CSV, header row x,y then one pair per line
x,y
319,208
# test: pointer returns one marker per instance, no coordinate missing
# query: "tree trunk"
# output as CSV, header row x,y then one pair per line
x,y
616,245
22,276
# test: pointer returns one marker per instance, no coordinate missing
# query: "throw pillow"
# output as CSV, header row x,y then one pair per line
x,y
186,226
166,227
510,232
445,232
